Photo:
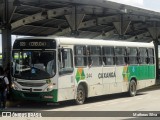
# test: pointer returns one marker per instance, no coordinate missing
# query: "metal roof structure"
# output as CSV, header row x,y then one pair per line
x,y
98,19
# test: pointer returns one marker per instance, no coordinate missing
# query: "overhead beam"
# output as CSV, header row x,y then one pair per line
x,y
105,35
122,26
88,24
81,9
102,20
99,21
74,19
139,36
38,27
51,14
108,19
40,16
63,32
154,31
28,20
143,40
12,14
88,34
127,17
117,18
113,5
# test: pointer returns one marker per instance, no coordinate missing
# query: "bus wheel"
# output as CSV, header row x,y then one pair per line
x,y
80,95
132,88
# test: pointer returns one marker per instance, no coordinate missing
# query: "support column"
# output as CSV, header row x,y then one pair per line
x,y
6,36
74,20
6,46
157,60
155,32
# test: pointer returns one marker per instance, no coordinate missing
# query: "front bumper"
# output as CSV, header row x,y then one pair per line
x,y
36,96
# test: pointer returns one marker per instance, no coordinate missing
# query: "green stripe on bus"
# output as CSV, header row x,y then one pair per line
x,y
55,95
142,72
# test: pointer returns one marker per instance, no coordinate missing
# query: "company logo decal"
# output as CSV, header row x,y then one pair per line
x,y
125,73
107,75
80,74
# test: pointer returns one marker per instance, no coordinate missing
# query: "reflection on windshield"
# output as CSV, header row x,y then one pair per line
x,y
34,64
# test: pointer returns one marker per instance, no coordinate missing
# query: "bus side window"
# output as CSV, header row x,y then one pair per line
x,y
94,56
143,55
108,55
150,56
120,53
80,56
133,55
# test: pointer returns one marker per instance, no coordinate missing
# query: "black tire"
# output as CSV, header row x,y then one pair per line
x,y
81,95
132,88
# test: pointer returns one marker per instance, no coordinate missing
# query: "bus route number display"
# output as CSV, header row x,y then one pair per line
x,y
33,44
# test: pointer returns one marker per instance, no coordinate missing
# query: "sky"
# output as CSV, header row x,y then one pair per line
x,y
147,4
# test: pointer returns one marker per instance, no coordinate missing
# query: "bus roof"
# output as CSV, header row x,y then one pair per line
x,y
79,41
85,41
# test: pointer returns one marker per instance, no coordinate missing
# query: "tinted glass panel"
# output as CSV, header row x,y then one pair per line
x,y
132,54
94,55
120,51
108,55
108,51
80,55
143,55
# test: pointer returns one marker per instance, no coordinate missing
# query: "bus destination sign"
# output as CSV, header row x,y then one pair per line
x,y
34,44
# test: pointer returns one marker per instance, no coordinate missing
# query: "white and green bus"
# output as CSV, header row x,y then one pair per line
x,y
59,68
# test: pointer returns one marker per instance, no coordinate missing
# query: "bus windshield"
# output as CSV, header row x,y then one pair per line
x,y
34,65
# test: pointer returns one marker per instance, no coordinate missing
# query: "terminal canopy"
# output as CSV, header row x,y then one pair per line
x,y
95,19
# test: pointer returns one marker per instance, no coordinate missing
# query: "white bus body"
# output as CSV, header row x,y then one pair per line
x,y
81,68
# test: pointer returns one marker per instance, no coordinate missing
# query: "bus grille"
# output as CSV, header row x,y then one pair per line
x,y
26,84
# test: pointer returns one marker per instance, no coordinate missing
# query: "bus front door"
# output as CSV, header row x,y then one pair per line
x,y
66,83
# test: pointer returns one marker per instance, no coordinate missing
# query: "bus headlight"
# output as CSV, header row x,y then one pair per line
x,y
49,88
14,86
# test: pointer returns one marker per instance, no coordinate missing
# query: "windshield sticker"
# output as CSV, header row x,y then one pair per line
x,y
80,75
